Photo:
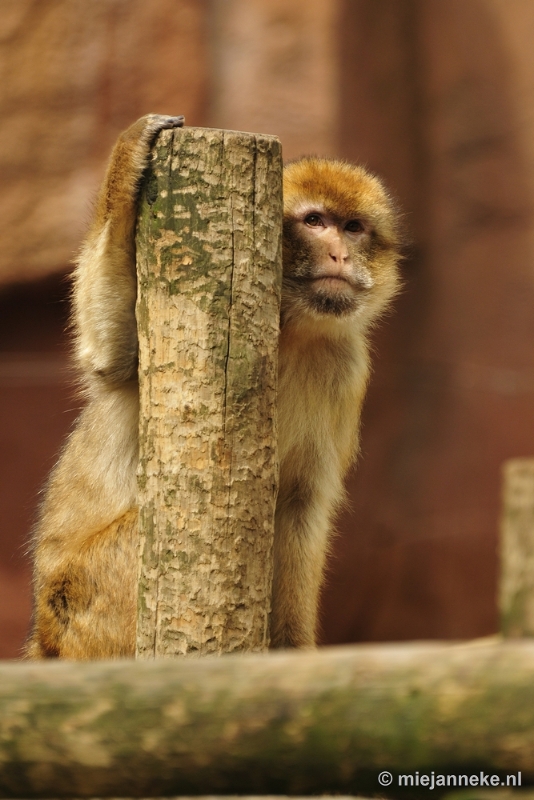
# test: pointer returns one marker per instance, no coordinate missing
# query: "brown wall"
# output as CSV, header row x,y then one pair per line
x,y
447,119
435,96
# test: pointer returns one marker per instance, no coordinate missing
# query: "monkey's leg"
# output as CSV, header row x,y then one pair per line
x,y
105,281
86,604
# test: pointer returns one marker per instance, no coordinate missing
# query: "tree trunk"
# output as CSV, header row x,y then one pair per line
x,y
284,723
517,549
209,266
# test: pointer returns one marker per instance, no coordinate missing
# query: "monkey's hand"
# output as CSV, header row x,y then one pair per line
x,y
105,282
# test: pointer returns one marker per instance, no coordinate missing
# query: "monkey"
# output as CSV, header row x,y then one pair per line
x,y
341,250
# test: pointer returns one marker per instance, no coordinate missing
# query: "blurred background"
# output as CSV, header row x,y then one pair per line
x,y
436,96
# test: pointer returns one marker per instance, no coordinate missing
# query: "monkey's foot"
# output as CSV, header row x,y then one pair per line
x,y
147,128
161,122
154,123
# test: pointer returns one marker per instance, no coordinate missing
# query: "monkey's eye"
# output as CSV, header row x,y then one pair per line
x,y
354,226
313,220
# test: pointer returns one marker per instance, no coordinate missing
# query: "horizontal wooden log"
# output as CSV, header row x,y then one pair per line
x,y
291,723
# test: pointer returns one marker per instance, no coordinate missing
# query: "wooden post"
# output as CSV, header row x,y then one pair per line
x,y
209,272
516,589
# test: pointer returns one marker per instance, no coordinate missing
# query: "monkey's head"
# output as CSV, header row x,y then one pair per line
x,y
341,243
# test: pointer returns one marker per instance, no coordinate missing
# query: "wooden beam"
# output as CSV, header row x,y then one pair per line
x,y
279,723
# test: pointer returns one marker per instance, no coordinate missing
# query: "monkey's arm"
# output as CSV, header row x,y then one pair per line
x,y
105,283
299,556
304,512
319,407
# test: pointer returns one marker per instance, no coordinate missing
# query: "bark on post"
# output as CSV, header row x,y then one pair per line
x,y
517,549
209,272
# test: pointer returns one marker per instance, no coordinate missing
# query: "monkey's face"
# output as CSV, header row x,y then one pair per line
x,y
327,261
340,243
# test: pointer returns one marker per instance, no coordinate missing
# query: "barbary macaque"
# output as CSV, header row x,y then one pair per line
x,y
340,256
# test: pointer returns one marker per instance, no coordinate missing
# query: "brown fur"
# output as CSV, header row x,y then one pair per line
x,y
86,541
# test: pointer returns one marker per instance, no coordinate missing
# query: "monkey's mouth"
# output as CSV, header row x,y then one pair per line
x,y
326,295
331,281
333,284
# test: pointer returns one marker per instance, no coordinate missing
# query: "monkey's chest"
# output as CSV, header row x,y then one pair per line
x,y
318,411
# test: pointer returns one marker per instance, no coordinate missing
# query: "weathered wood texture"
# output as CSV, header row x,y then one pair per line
x,y
516,592
209,266
290,723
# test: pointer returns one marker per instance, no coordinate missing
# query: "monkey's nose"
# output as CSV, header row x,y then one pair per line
x,y
339,256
